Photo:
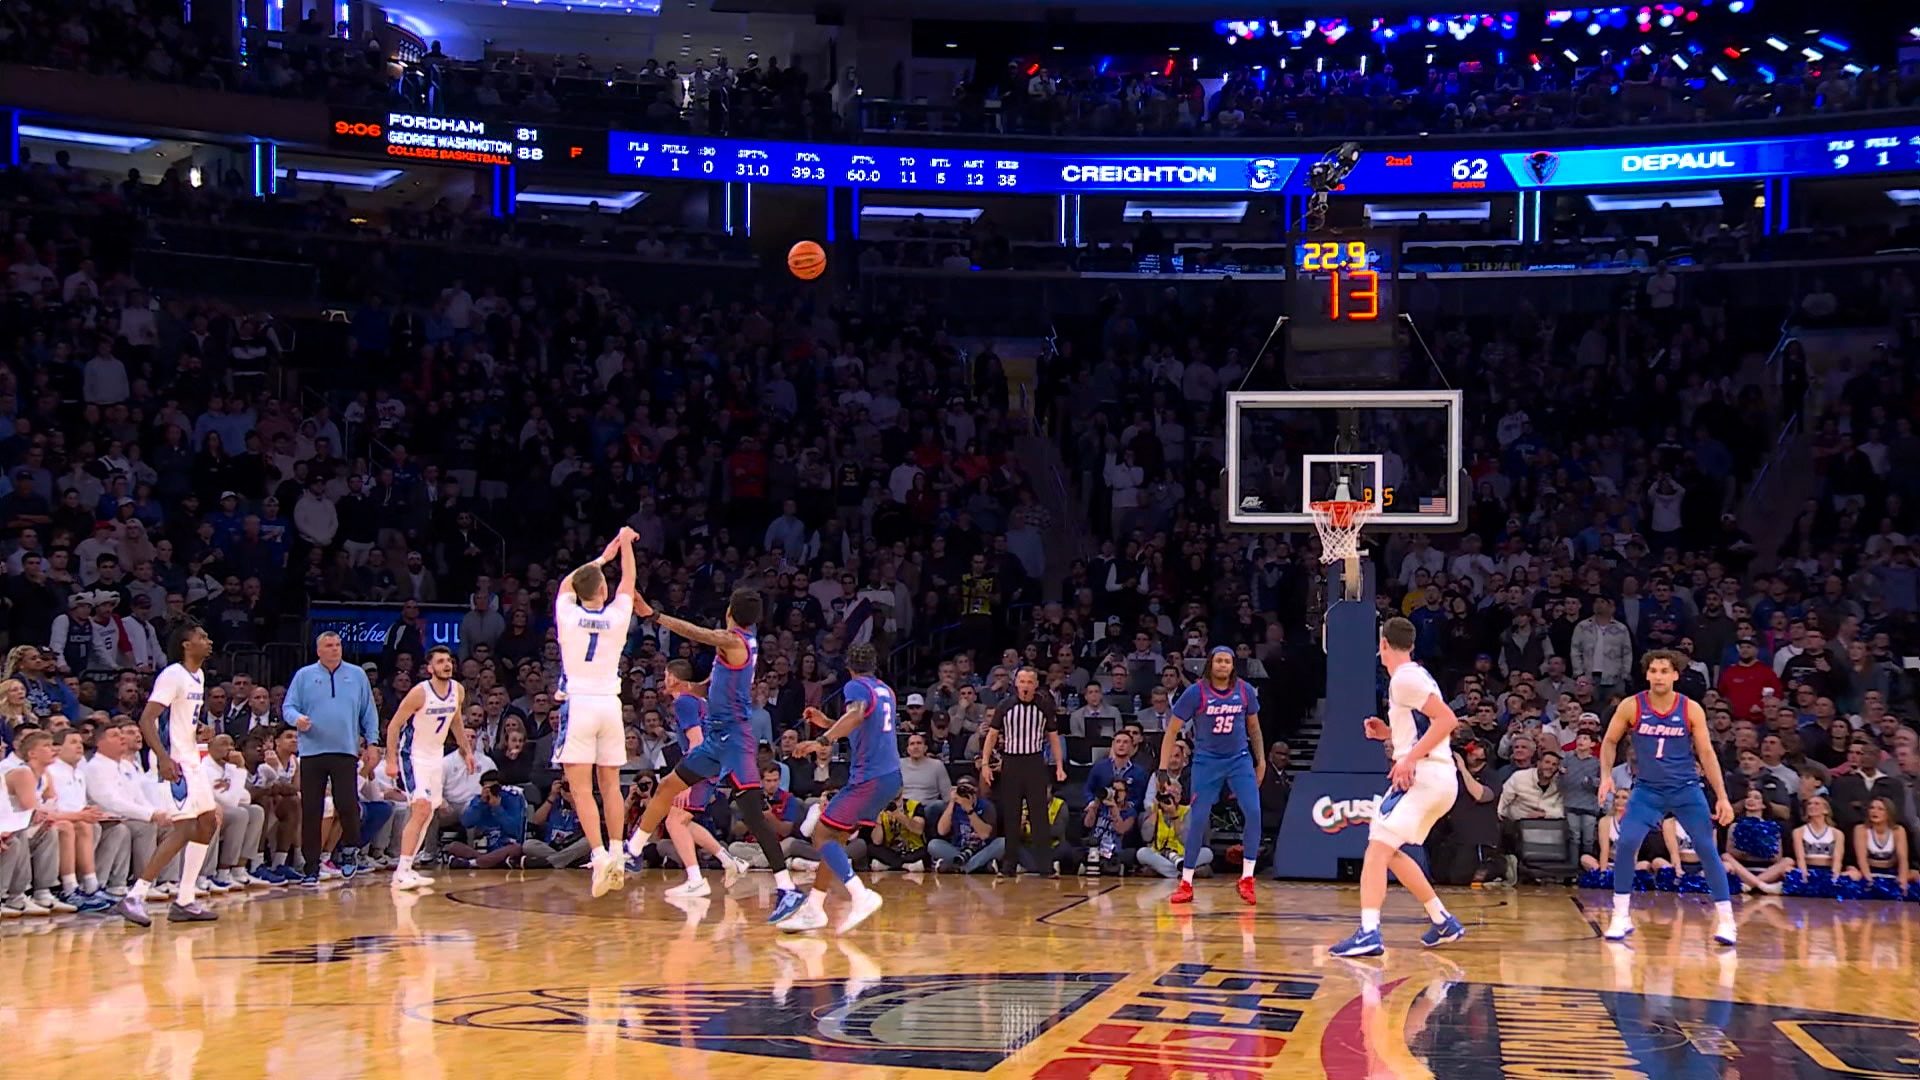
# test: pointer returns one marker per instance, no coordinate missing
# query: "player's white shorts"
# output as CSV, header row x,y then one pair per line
x,y
422,776
192,795
593,732
1405,817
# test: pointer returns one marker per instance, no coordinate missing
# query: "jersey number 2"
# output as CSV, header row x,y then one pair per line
x,y
593,645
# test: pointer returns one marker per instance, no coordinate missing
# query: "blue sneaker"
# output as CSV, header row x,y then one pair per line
x,y
311,881
1440,933
348,860
635,864
272,875
95,902
1362,943
785,903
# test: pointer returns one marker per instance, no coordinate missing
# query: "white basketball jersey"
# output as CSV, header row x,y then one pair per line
x,y
184,695
1408,692
591,642
427,734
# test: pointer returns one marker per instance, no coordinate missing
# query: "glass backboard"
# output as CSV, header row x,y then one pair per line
x,y
1399,449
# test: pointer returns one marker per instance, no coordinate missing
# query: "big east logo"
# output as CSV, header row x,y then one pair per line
x,y
1333,815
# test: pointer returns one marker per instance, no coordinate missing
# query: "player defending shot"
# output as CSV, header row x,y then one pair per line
x,y
1672,750
180,692
592,742
1422,793
727,745
873,779
417,746
1227,751
689,836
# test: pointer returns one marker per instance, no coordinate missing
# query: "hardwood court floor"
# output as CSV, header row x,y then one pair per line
x,y
508,974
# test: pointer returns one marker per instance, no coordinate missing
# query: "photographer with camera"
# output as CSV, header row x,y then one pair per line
x,y
1163,829
1108,821
898,840
498,818
1046,850
964,839
562,843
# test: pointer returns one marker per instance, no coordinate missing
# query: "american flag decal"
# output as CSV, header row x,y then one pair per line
x,y
1433,506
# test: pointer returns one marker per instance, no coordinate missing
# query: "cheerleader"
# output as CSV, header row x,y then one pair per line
x,y
1753,847
1880,847
1817,845
1683,857
1609,836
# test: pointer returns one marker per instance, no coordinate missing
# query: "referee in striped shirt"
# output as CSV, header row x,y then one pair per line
x,y
1021,728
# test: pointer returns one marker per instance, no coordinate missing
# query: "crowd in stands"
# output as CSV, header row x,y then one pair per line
x,y
317,59
860,468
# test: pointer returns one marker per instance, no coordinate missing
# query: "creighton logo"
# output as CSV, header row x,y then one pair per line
x,y
1542,164
1333,815
955,1023
1262,174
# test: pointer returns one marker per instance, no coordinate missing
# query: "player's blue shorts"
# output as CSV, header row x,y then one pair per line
x,y
860,804
1212,773
694,799
732,760
1648,806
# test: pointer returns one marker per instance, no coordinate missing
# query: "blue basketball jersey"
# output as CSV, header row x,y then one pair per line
x,y
1663,747
875,751
1217,721
730,694
689,712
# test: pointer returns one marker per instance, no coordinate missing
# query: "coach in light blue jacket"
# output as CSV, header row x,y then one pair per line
x,y
330,702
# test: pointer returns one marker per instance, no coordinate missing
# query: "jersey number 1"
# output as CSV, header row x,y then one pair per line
x,y
1660,749
593,645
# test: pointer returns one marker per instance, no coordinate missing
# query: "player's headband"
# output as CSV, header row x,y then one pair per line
x,y
1227,649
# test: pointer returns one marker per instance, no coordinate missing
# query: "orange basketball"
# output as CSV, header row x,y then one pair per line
x,y
806,260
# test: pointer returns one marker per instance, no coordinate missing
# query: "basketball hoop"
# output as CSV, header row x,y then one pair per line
x,y
1339,522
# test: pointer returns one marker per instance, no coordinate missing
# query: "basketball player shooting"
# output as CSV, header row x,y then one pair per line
x,y
1422,793
592,743
1672,751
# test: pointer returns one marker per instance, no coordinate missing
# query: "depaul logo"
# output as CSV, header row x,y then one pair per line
x,y
1333,815
1262,174
1541,165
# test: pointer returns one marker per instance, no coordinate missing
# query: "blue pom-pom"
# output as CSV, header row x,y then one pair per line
x,y
1913,891
1665,880
1757,836
1846,888
1643,880
1883,887
1693,883
1597,878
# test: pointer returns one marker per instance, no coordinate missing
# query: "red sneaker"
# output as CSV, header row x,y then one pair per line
x,y
1183,894
1246,890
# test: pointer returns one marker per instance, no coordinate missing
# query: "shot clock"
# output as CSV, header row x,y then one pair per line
x,y
1343,320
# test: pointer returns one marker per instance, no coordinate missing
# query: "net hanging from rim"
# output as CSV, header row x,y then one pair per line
x,y
1339,522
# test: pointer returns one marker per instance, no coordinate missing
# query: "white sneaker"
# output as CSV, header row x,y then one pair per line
x,y
420,880
1619,928
13,908
691,888
46,899
732,870
1726,933
1772,888
28,905
917,866
603,864
865,903
404,879
161,889
802,866
117,891
205,885
239,879
806,918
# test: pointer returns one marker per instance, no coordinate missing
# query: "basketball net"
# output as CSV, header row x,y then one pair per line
x,y
1339,522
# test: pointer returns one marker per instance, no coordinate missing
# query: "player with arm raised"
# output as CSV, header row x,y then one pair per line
x,y
1227,751
1423,791
726,750
873,779
179,695
592,742
417,744
1672,751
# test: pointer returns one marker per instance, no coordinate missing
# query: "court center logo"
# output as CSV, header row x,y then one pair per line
x,y
957,1023
1333,815
1480,1031
1542,164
